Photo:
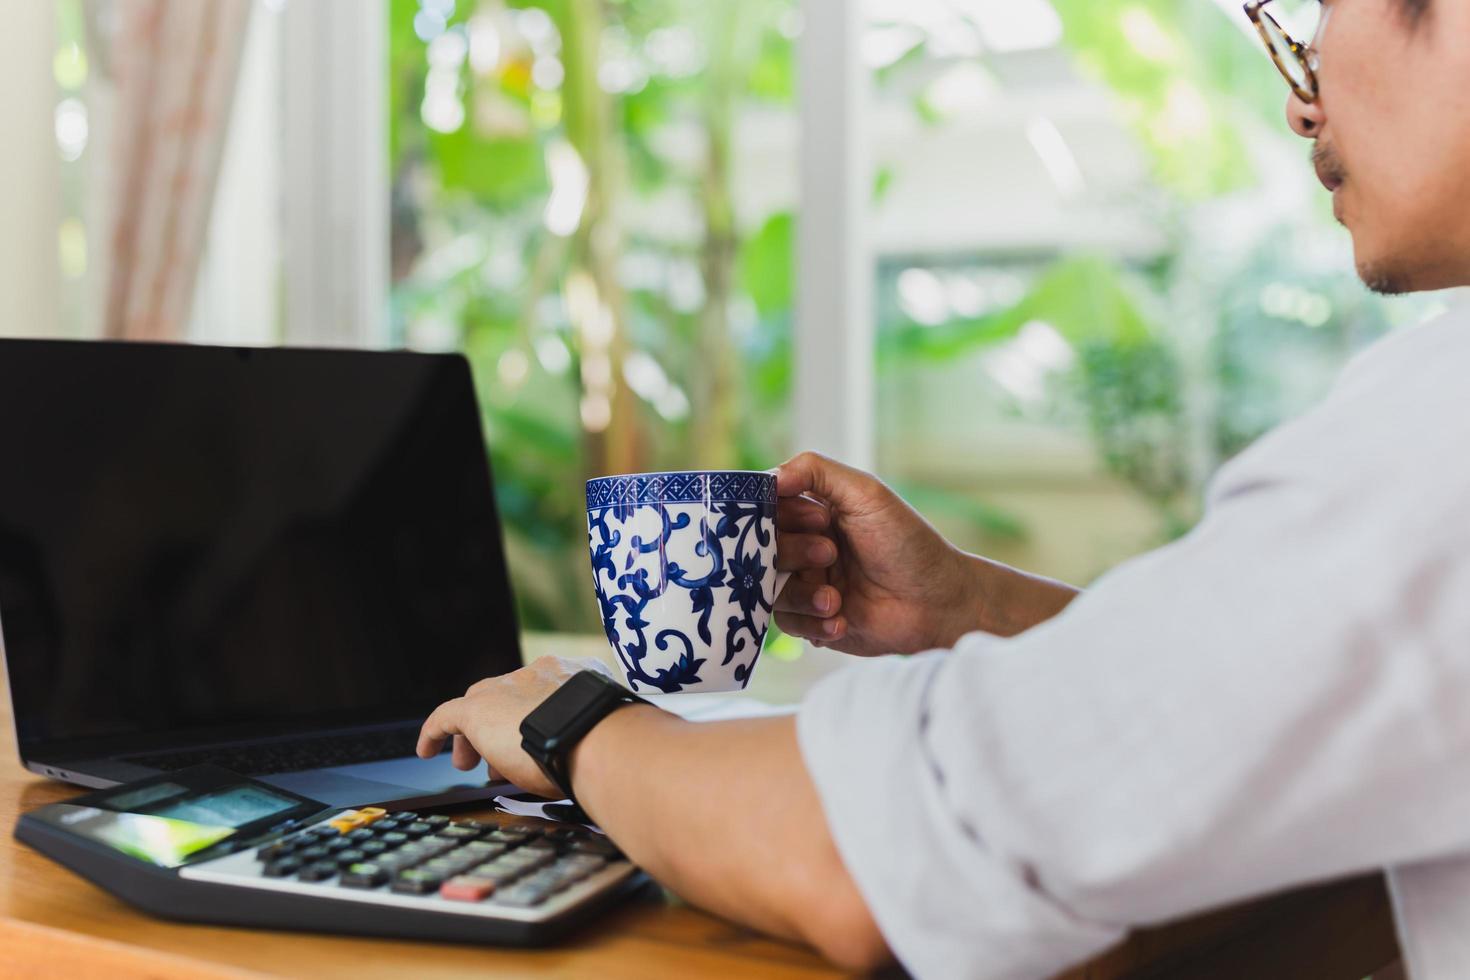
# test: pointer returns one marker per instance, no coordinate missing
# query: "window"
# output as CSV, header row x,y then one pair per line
x,y
594,202
1104,267
1096,262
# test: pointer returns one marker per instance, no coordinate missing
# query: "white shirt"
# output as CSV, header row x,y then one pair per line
x,y
1281,697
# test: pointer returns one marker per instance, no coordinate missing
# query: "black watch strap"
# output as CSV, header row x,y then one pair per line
x,y
556,726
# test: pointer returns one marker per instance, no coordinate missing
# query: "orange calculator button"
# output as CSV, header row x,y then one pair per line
x,y
369,814
348,820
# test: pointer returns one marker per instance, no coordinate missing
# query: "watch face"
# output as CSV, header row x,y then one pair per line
x,y
572,709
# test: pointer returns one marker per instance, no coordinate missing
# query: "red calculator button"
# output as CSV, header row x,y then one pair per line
x,y
466,888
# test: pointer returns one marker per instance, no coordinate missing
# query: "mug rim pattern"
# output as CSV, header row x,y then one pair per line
x,y
683,487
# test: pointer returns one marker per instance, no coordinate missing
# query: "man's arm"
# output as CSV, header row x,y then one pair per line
x,y
1008,601
725,815
870,576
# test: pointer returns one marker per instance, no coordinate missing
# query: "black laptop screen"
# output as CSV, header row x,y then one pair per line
x,y
259,541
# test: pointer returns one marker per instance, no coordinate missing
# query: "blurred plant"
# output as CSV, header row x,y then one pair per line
x,y
564,213
1173,364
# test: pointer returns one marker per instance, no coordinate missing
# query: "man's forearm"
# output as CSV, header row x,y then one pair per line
x,y
986,596
725,815
1010,601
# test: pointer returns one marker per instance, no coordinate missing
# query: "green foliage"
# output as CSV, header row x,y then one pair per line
x,y
497,172
993,522
1174,68
474,256
766,265
1253,331
477,258
1134,400
772,77
1083,297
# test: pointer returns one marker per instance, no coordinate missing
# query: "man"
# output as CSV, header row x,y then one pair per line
x,y
1278,698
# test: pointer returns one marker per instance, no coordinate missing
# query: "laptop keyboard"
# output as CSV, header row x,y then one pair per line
x,y
315,752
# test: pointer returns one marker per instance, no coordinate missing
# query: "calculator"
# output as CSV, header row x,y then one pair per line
x,y
207,845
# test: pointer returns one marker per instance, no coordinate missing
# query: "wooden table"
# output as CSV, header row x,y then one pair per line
x,y
54,924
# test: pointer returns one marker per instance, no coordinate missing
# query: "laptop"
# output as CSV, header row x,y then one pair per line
x,y
276,561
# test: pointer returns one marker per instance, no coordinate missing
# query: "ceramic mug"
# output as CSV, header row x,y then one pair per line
x,y
684,568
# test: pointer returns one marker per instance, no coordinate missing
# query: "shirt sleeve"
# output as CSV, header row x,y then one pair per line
x,y
1275,699
947,902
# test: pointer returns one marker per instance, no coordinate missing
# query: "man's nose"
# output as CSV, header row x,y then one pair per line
x,y
1305,118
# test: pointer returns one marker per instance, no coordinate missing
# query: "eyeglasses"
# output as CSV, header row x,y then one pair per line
x,y
1297,62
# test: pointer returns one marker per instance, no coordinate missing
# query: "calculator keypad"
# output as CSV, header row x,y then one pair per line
x,y
464,861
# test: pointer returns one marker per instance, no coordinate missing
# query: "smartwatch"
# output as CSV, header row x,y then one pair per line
x,y
549,733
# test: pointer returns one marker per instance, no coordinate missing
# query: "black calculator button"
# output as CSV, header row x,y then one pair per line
x,y
474,825
315,852
363,875
416,829
284,867
372,848
547,878
350,856
339,844
321,833
274,851
569,871
360,834
393,838
522,896
580,862
453,832
318,871
501,871
387,824
464,862
417,881
437,820
443,866
507,837
403,816
413,852
596,845
393,863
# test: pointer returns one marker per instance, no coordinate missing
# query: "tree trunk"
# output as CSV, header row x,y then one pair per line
x,y
596,245
715,395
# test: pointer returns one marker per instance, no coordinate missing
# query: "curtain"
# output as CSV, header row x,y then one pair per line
x,y
175,64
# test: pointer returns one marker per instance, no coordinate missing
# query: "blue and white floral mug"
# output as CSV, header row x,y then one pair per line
x,y
684,566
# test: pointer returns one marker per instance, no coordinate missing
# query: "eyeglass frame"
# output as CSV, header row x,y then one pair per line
x,y
1306,54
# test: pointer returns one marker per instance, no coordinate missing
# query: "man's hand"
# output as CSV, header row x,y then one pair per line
x,y
871,576
486,722
664,789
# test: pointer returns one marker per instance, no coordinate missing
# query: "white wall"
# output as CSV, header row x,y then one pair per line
x,y
29,192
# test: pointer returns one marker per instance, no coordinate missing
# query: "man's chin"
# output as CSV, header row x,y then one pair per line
x,y
1384,279
1381,270
1397,274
